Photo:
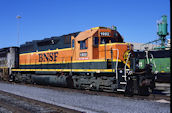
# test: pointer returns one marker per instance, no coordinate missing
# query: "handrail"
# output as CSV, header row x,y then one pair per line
x,y
153,61
116,63
147,57
125,75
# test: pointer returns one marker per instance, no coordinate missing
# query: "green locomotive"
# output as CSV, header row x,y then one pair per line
x,y
159,57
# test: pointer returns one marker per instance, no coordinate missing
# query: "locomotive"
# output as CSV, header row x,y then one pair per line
x,y
8,59
95,59
159,56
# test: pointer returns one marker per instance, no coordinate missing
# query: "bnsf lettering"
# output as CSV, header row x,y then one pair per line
x,y
43,57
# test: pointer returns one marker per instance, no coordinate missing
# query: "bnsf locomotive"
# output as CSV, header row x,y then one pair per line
x,y
95,59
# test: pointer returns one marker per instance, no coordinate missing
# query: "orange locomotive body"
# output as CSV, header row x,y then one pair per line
x,y
96,59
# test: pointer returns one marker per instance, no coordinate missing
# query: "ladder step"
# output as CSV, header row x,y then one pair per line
x,y
122,90
123,82
106,90
123,76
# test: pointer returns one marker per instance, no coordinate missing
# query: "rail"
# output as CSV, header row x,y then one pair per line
x,y
147,58
125,74
153,61
116,67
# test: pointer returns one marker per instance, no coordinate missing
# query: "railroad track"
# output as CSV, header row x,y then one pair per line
x,y
10,103
163,88
155,96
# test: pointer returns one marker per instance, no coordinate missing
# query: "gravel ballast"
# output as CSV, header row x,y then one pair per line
x,y
85,102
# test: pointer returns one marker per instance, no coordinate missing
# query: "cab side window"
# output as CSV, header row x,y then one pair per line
x,y
73,43
83,44
95,41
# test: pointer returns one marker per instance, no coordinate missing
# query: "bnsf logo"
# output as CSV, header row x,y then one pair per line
x,y
43,57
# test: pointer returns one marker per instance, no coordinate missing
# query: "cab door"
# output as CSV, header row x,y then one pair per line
x,y
95,47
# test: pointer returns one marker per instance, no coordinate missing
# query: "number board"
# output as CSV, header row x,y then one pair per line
x,y
83,54
104,34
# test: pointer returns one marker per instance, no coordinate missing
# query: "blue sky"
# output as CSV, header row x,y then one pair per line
x,y
135,19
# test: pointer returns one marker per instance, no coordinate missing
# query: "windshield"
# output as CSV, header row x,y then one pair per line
x,y
105,40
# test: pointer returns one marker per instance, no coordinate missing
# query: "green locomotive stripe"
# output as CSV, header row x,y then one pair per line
x,y
82,65
65,62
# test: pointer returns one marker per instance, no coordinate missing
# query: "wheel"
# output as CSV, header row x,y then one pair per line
x,y
144,91
129,91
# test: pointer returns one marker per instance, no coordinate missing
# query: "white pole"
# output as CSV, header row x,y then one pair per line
x,y
18,29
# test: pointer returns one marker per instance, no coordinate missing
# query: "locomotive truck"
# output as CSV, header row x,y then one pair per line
x,y
95,59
